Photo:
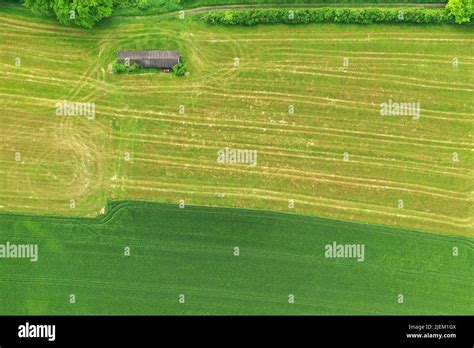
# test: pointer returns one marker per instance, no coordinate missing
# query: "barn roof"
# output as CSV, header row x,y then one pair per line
x,y
162,59
148,54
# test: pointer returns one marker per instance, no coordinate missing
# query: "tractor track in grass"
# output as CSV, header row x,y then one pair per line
x,y
282,198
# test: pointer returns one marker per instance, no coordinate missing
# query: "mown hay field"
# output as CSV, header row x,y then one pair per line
x,y
190,254
171,128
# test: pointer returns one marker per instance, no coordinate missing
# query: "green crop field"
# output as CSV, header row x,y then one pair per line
x,y
190,252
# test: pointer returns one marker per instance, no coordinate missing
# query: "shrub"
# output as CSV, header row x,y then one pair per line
x,y
146,7
134,68
179,69
118,67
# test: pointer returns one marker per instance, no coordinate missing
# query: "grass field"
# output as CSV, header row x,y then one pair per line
x,y
300,156
191,252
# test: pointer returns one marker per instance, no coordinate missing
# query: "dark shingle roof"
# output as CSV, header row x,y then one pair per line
x,y
158,59
148,54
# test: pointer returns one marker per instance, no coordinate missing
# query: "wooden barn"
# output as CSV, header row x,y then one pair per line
x,y
151,59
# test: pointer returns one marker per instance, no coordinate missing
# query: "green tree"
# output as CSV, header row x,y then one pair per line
x,y
462,10
43,7
84,13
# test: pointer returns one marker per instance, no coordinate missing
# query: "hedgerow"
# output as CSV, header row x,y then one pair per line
x,y
367,15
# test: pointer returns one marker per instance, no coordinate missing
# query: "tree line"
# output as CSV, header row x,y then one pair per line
x,y
86,13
